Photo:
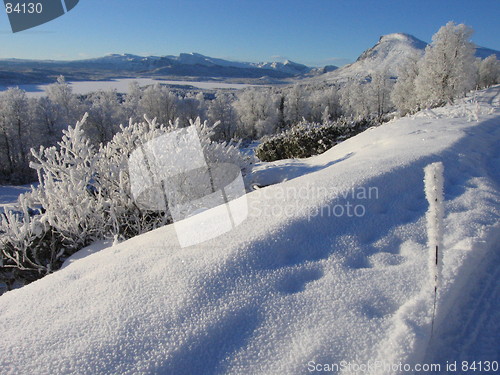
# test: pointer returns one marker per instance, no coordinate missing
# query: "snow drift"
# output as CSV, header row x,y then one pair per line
x,y
303,282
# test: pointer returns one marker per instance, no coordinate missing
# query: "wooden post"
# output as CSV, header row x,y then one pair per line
x,y
434,183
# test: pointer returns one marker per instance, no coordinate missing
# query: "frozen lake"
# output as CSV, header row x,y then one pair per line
x,y
122,85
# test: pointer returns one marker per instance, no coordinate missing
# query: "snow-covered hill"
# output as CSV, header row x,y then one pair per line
x,y
329,266
385,57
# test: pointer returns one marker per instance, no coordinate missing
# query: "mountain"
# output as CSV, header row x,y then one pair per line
x,y
186,65
484,52
390,52
196,64
288,66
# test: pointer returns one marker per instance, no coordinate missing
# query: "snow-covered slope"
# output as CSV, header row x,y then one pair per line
x,y
300,283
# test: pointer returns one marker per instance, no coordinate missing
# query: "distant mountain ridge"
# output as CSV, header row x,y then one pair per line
x,y
192,65
184,60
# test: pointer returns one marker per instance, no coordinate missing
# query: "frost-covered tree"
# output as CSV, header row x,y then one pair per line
x,y
218,152
68,107
280,121
221,109
7,160
191,106
378,92
367,99
160,103
105,113
257,113
16,131
447,70
489,71
22,259
403,94
131,105
355,100
296,104
45,114
324,103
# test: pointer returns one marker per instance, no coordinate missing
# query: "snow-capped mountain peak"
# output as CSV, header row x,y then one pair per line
x,y
393,47
386,56
403,37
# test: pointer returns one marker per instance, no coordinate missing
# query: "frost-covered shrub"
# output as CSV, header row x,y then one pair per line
x,y
61,215
307,139
84,195
71,201
29,247
126,218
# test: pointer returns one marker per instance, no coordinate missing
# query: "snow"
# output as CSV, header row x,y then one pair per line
x,y
295,285
403,37
464,337
86,251
9,194
121,85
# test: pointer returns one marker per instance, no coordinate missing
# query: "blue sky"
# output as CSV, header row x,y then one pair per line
x,y
313,32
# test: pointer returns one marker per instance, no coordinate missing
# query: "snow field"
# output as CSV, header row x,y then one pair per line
x,y
470,225
281,290
121,85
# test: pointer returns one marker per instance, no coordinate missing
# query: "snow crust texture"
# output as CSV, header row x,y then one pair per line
x,y
296,284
